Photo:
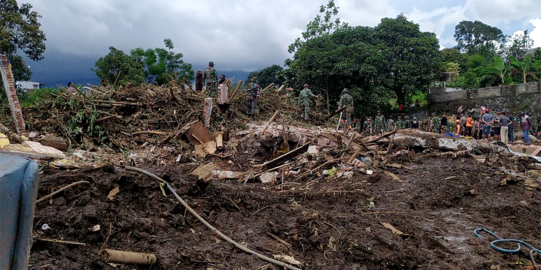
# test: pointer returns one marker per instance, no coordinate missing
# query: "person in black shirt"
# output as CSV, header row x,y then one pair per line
x,y
443,124
415,123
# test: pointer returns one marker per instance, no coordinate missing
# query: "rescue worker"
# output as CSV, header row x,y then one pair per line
x,y
346,101
380,123
253,90
407,122
390,124
399,123
415,123
211,79
304,102
435,123
368,127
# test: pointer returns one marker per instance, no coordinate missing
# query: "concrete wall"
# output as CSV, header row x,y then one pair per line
x,y
514,97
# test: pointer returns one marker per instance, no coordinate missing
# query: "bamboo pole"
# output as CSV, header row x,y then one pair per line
x,y
126,257
270,121
236,90
60,190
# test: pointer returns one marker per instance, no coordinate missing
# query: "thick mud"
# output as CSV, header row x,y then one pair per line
x,y
324,224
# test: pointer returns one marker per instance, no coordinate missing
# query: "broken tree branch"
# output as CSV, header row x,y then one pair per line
x,y
60,190
270,121
60,241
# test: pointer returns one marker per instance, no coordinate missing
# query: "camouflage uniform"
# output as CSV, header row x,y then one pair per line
x,y
435,124
253,89
346,100
211,79
380,124
390,124
407,122
368,128
399,123
304,102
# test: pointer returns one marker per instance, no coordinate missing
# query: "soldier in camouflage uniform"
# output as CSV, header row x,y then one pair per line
x,y
304,102
407,122
346,101
399,123
380,123
211,80
390,124
435,124
368,127
252,89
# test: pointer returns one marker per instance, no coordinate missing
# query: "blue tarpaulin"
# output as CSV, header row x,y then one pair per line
x,y
18,191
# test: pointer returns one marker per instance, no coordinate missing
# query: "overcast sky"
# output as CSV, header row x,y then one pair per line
x,y
249,34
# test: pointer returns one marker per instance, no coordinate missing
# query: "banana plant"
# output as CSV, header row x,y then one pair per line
x,y
501,68
524,67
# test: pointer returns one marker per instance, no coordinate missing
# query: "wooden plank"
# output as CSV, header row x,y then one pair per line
x,y
287,156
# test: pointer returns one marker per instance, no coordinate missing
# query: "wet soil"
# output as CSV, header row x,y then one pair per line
x,y
329,224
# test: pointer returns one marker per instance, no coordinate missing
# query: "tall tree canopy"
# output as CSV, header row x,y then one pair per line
x,y
158,65
268,75
391,60
473,35
20,32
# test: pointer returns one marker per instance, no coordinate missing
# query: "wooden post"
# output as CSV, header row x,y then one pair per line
x,y
236,90
270,121
125,257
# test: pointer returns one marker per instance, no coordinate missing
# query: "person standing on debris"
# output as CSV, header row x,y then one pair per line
x,y
399,123
512,119
222,79
253,90
435,123
104,85
368,128
415,123
304,102
390,124
211,77
463,121
497,126
460,110
477,129
504,122
71,88
526,126
407,122
488,121
380,123
443,124
346,101
469,126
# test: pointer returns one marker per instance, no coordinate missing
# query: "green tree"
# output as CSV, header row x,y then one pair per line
x,y
268,75
20,30
162,64
519,45
472,35
120,68
449,55
411,57
524,67
500,68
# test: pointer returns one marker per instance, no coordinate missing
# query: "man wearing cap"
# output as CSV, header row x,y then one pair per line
x,y
304,102
252,89
526,125
504,122
380,123
211,78
346,101
488,120
497,125
368,128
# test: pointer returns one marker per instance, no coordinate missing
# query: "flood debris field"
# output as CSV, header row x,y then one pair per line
x,y
322,223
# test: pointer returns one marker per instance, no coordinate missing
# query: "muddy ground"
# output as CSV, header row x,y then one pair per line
x,y
329,224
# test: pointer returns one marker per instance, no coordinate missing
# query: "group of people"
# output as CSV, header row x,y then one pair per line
x,y
379,125
480,123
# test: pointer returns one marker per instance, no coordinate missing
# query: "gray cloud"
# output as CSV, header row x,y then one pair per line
x,y
236,35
